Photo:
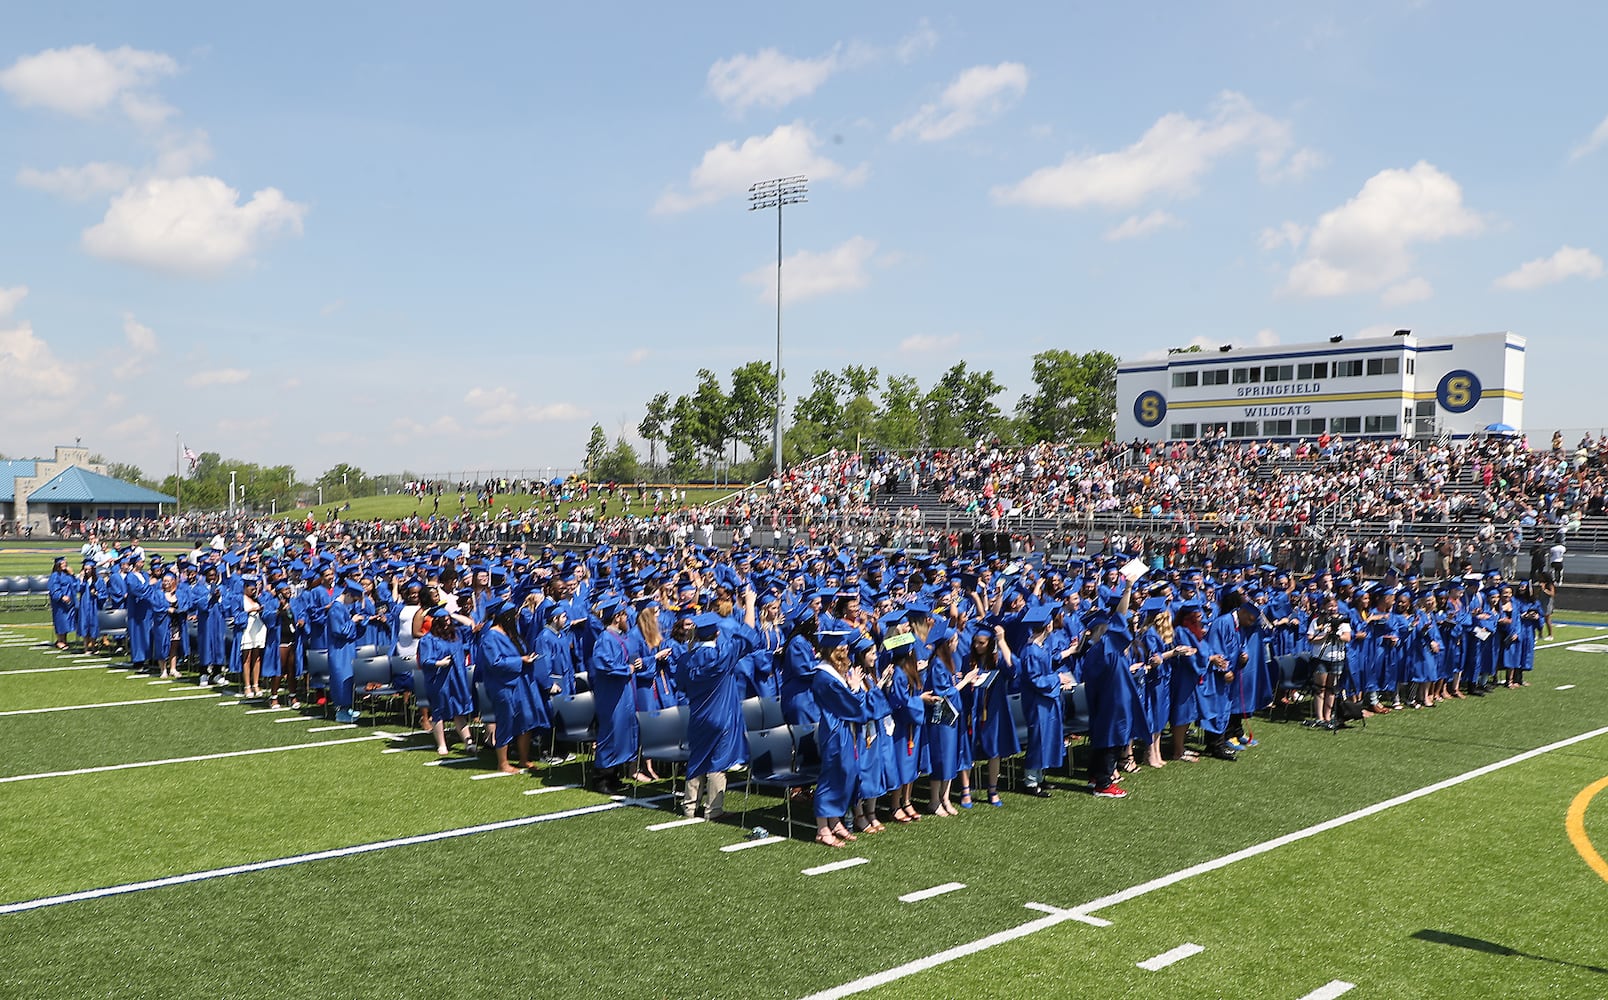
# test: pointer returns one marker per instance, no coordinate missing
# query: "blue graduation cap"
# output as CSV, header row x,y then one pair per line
x,y
1037,615
1152,605
831,640
707,624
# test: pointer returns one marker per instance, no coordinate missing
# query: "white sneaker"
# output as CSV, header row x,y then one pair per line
x,y
205,680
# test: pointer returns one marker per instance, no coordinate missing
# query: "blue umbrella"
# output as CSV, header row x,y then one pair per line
x,y
557,481
1499,429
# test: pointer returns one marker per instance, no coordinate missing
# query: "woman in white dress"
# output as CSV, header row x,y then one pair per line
x,y
253,637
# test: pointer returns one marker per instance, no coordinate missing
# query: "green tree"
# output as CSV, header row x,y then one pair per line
x,y
961,408
655,421
822,404
340,482
619,464
1074,397
752,406
682,447
713,407
899,421
596,447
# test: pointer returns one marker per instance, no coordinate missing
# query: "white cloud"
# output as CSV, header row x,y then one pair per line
x,y
924,343
1289,234
217,376
500,406
918,43
730,168
807,274
1403,292
141,345
33,372
1595,141
331,308
193,225
1265,338
1136,225
1366,244
1168,160
1568,262
977,95
84,80
10,297
638,356
769,78
77,183
1261,338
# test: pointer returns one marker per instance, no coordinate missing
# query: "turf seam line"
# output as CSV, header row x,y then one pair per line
x,y
184,760
1170,956
106,704
298,859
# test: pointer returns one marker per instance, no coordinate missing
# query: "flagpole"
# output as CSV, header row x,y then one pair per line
x,y
177,475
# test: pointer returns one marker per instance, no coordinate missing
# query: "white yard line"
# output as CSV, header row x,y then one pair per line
x,y
549,788
494,774
746,844
1060,916
185,760
51,670
1328,991
265,711
105,704
937,890
672,824
299,859
1563,687
836,866
331,729
1170,956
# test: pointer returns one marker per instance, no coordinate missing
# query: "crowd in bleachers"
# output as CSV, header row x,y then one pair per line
x,y
867,675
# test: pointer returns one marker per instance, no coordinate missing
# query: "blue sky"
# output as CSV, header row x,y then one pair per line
x,y
436,240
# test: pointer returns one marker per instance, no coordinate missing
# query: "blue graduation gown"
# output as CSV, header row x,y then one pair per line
x,y
91,596
910,729
63,602
1041,704
609,670
1116,703
993,729
949,745
707,673
446,684
1157,686
1222,639
556,656
841,710
209,626
501,668
797,688
270,629
877,768
139,616
341,634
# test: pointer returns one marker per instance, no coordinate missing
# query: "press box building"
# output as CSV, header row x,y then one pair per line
x,y
1392,386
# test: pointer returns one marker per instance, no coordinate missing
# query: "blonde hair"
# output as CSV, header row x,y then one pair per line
x,y
648,625
1163,624
723,606
838,656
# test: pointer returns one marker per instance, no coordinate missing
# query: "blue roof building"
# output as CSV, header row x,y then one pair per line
x,y
38,493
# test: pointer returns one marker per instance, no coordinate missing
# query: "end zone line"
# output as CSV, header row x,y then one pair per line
x,y
298,859
185,760
959,951
107,704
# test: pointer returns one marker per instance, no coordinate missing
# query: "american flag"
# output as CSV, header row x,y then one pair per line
x,y
191,457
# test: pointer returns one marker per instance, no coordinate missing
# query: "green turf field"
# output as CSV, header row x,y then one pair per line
x,y
1473,890
394,506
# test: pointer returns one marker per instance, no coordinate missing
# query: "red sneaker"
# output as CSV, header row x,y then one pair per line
x,y
1110,792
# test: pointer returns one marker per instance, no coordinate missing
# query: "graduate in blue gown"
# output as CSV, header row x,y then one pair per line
x,y
443,664
799,657
555,653
707,673
612,669
340,636
63,601
504,664
1187,704
908,697
838,693
989,657
1112,679
90,599
1224,650
138,602
1041,686
210,627
1157,649
166,620
877,769
1423,643
948,741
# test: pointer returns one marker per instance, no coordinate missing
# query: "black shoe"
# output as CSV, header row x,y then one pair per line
x,y
1222,753
610,786
1476,692
1038,791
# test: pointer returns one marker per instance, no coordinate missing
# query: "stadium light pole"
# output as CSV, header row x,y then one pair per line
x,y
774,194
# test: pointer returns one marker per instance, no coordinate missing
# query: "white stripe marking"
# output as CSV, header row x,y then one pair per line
x,y
914,966
106,704
1330,990
226,704
1170,956
691,821
184,760
937,890
835,866
745,845
265,711
405,749
1563,687
288,718
494,774
159,680
339,852
1082,918
331,729
549,788
50,670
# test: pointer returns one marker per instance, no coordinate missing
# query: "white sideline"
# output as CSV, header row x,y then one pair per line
x,y
835,866
185,760
51,670
910,968
106,704
549,788
937,890
1170,956
298,859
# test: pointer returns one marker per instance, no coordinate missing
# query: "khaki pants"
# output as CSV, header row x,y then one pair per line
x,y
716,785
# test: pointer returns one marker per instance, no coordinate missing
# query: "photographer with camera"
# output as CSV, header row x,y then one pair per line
x,y
1330,634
